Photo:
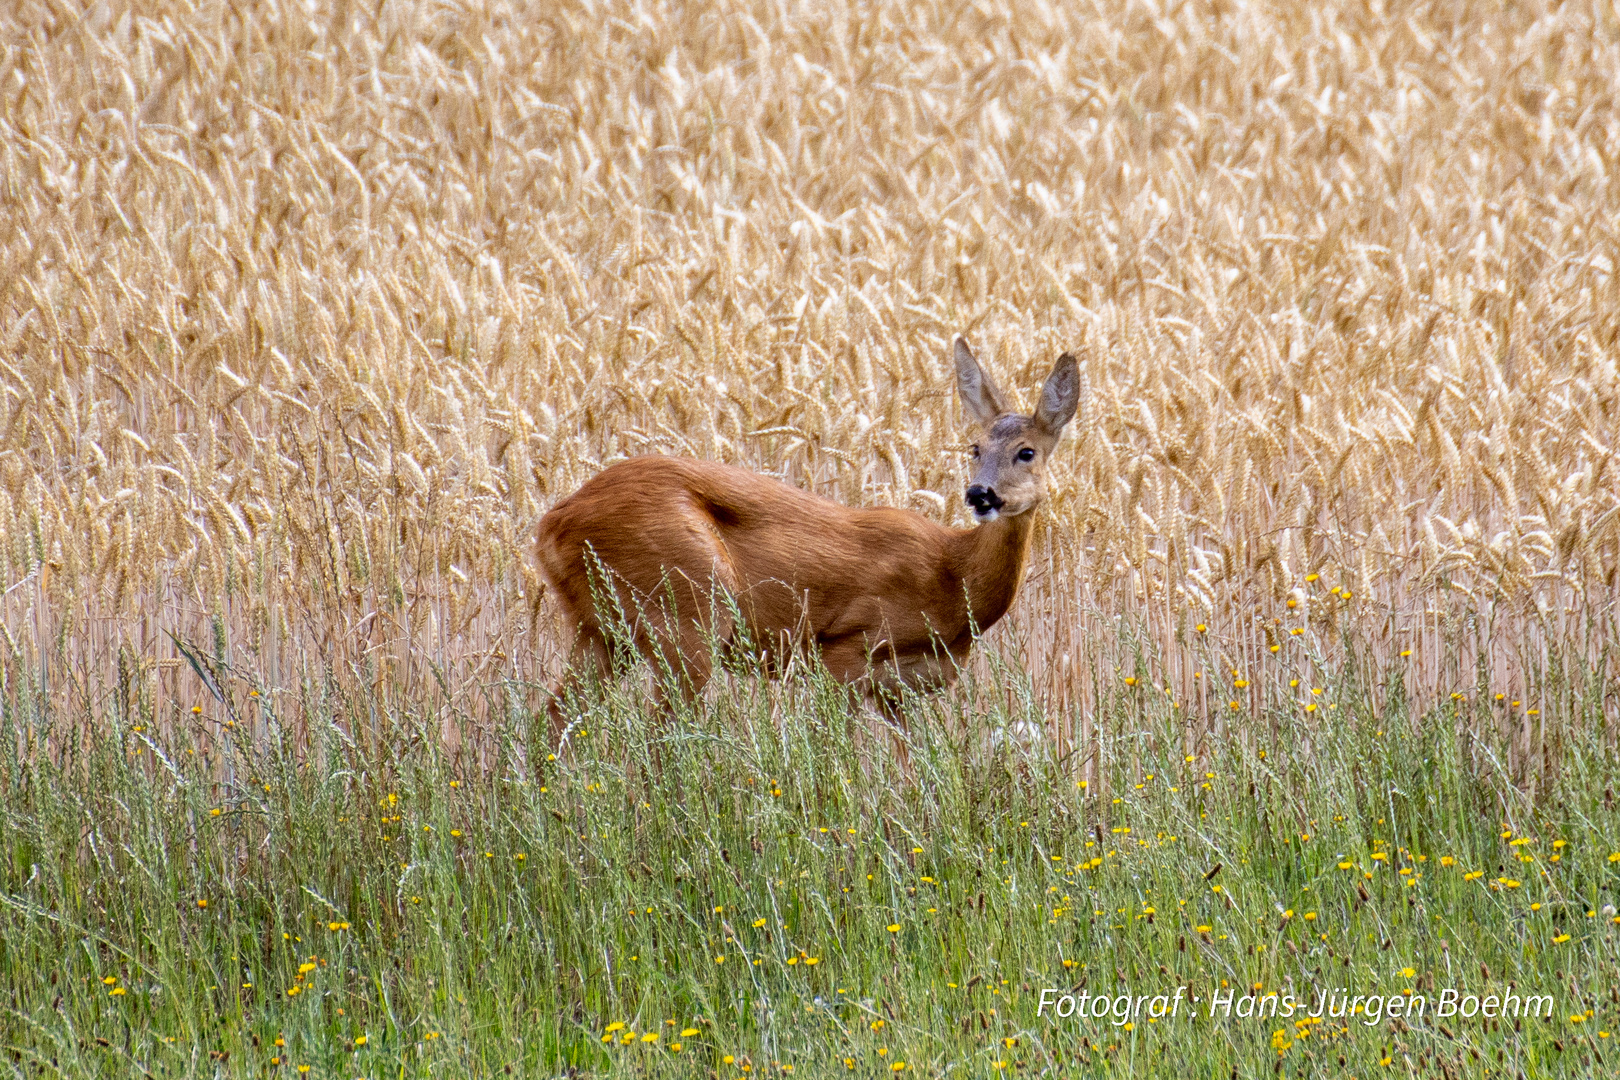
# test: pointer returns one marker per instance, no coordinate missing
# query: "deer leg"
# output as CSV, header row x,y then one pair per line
x,y
681,668
588,655
875,683
691,618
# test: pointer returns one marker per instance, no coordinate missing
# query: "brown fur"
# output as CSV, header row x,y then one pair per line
x,y
884,597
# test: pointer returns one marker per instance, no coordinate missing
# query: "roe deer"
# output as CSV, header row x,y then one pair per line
x,y
885,597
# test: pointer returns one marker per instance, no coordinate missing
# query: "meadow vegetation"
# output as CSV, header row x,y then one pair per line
x,y
755,887
309,311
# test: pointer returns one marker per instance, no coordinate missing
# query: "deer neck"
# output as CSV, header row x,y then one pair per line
x,y
989,560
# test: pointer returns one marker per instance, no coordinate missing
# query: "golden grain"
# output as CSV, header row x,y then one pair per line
x,y
307,318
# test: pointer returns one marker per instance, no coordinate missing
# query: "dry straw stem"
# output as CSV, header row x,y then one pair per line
x,y
308,312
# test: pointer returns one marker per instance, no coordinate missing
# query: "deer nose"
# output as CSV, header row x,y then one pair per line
x,y
982,498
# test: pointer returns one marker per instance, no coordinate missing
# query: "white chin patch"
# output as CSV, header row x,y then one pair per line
x,y
986,515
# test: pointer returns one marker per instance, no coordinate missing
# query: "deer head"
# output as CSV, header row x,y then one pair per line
x,y
1010,449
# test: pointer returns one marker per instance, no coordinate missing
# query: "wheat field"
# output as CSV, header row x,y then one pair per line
x,y
310,310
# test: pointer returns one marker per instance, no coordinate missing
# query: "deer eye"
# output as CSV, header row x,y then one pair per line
x,y
974,450
1026,454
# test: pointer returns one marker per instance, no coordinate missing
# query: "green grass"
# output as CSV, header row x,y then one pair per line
x,y
166,877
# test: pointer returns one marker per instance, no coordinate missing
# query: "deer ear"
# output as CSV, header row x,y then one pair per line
x,y
1059,396
979,395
